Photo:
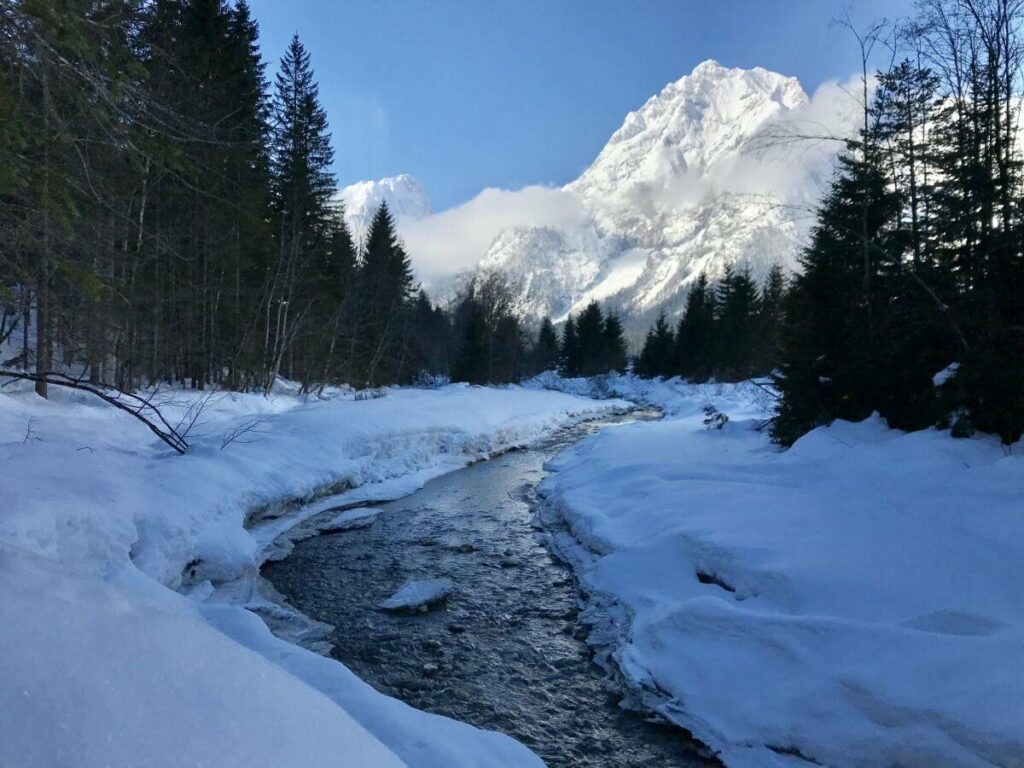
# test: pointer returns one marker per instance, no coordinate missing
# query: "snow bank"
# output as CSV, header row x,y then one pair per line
x,y
853,601
104,664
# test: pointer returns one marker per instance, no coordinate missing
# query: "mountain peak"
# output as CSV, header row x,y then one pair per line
x,y
404,195
674,191
693,123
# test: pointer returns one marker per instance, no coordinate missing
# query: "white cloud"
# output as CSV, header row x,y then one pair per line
x,y
445,243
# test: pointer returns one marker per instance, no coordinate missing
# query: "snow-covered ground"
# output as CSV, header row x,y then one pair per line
x,y
857,600
122,563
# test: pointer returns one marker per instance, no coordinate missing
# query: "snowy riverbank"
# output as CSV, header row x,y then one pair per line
x,y
853,601
106,662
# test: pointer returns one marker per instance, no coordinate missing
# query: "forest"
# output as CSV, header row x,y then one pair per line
x,y
167,214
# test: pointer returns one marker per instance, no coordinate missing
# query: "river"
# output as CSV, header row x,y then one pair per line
x,y
506,651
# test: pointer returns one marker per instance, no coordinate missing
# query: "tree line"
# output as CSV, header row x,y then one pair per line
x,y
729,330
916,263
167,214
915,266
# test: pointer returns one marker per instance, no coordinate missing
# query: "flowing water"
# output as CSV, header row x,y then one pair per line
x,y
506,651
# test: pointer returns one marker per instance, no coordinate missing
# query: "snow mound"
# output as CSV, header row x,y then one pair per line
x,y
360,517
419,595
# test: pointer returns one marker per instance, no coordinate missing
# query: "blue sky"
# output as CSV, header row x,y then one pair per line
x,y
503,93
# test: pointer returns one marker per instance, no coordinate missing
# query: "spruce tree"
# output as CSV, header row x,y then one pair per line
x,y
569,354
386,286
614,344
695,333
590,336
768,340
545,350
831,364
657,358
739,306
302,182
472,364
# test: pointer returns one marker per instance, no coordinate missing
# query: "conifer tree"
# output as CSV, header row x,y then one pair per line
x,y
569,354
302,182
831,367
657,357
590,337
471,365
768,340
695,333
386,286
739,306
614,344
545,350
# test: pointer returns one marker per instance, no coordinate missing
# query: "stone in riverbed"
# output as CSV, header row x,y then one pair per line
x,y
419,595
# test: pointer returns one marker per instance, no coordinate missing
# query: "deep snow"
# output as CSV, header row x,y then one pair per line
x,y
124,565
853,601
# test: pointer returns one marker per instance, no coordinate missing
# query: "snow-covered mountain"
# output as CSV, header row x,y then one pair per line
x,y
687,184
404,195
690,182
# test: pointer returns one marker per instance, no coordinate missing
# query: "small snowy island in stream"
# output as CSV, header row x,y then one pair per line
x,y
350,519
419,595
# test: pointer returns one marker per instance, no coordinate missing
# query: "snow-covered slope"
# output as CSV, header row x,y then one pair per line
x,y
854,601
688,183
404,195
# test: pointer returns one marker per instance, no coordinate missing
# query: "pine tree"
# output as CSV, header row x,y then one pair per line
x,y
657,358
472,363
302,183
569,365
430,332
739,306
386,286
590,336
768,341
614,344
545,351
832,367
695,333
508,350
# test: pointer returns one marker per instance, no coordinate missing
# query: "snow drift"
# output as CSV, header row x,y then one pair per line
x,y
852,601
